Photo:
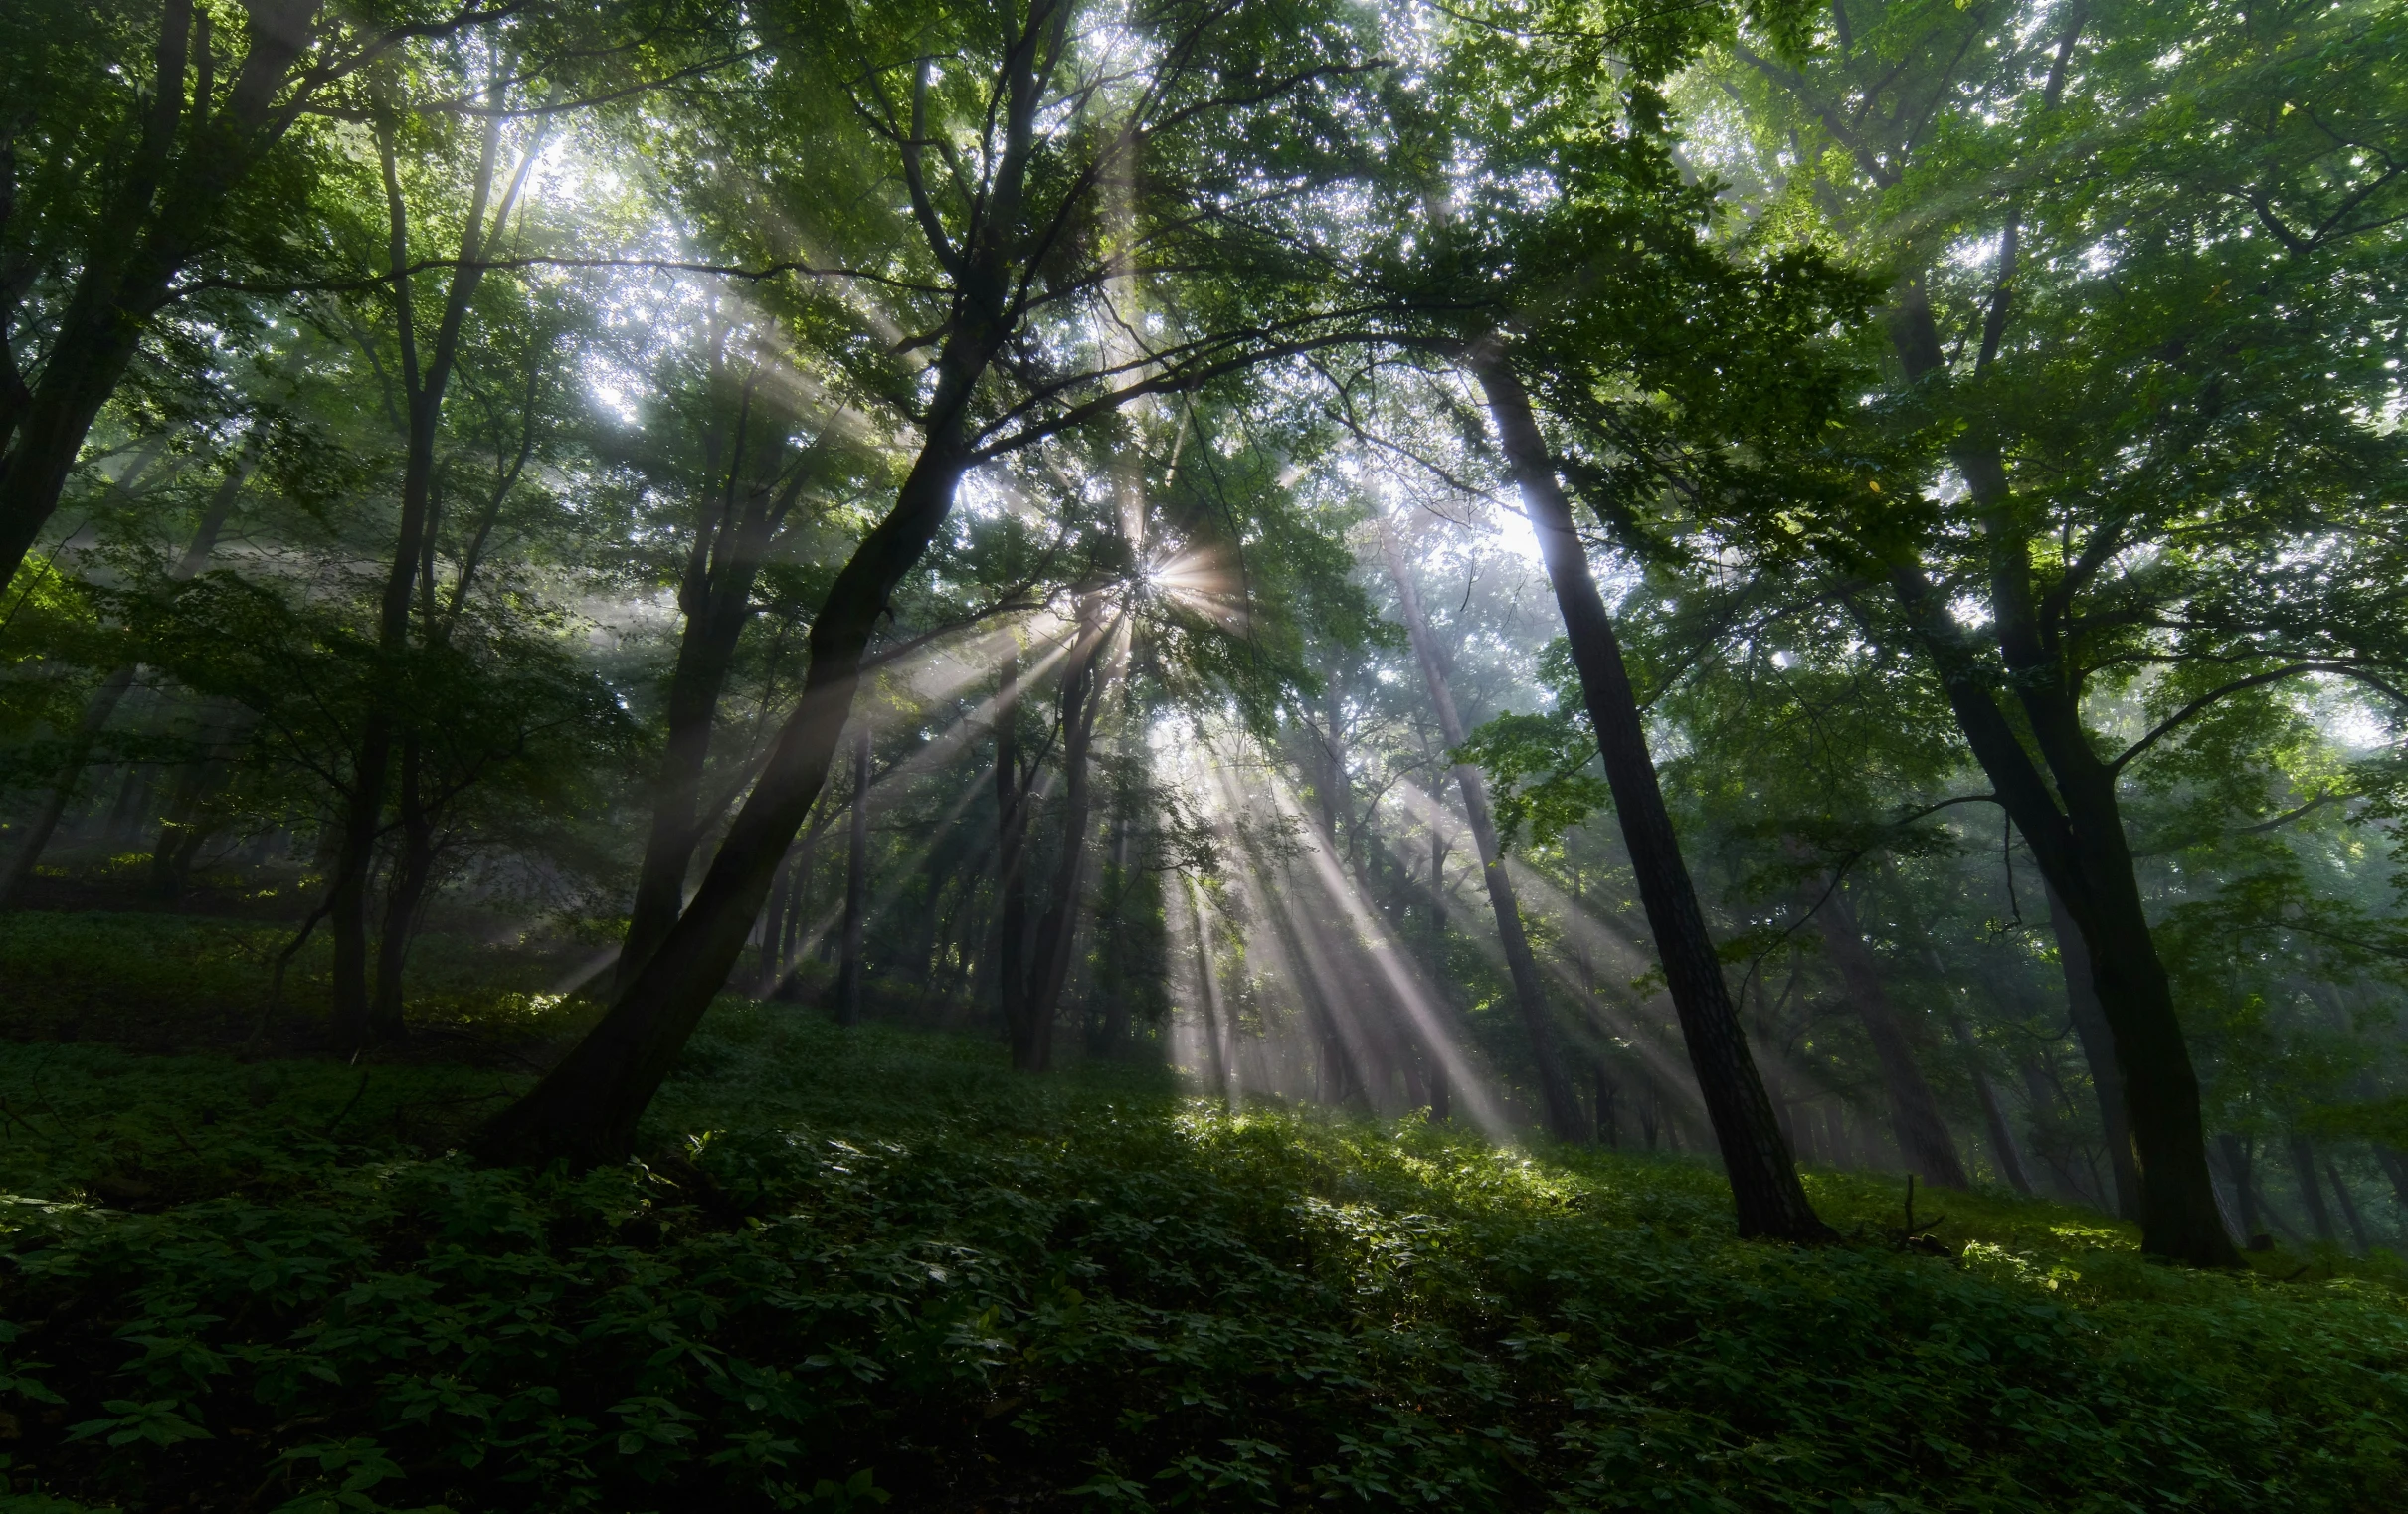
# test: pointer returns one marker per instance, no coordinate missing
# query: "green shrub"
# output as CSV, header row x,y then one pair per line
x,y
875,1263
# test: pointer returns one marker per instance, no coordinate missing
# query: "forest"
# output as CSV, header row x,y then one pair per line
x,y
1222,754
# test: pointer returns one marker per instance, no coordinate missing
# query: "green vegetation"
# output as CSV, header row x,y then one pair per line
x,y
873,1263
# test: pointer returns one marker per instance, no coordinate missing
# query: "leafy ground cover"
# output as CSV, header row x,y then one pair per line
x,y
872,1264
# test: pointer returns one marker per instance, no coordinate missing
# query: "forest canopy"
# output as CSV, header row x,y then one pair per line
x,y
1819,588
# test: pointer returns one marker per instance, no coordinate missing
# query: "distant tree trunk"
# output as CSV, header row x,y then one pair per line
x,y
772,964
2098,1049
856,882
1562,1109
2349,1206
104,700
2395,1167
1439,1110
1058,929
1609,1133
1211,984
1011,802
2311,1193
2244,1185
413,867
1771,1202
1993,1110
1921,1133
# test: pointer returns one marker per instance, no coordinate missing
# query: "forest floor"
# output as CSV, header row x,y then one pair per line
x,y
873,1265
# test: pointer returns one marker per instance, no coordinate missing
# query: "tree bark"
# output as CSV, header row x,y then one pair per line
x,y
856,879
1772,1204
1921,1133
2097,1045
1561,1107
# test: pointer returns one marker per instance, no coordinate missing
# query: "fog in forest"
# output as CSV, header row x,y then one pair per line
x,y
995,730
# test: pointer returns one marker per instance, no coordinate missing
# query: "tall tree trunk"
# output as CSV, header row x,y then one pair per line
x,y
1057,930
2097,1045
1915,1119
1561,1107
425,385
2074,825
856,880
1765,1188
2311,1191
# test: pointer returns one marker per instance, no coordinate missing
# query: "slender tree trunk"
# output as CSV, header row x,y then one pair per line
x,y
1215,1065
1012,801
2244,1185
1915,1119
1993,1109
2349,1206
2395,1167
2311,1191
856,881
1057,930
1562,1108
2098,1043
413,867
1764,1189
1435,1059
425,384
1609,1133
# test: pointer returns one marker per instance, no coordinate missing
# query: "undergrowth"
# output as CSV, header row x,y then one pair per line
x,y
874,1264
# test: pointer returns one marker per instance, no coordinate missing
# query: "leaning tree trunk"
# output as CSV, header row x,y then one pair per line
x,y
1521,966
856,880
586,1109
1915,1118
1765,1186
